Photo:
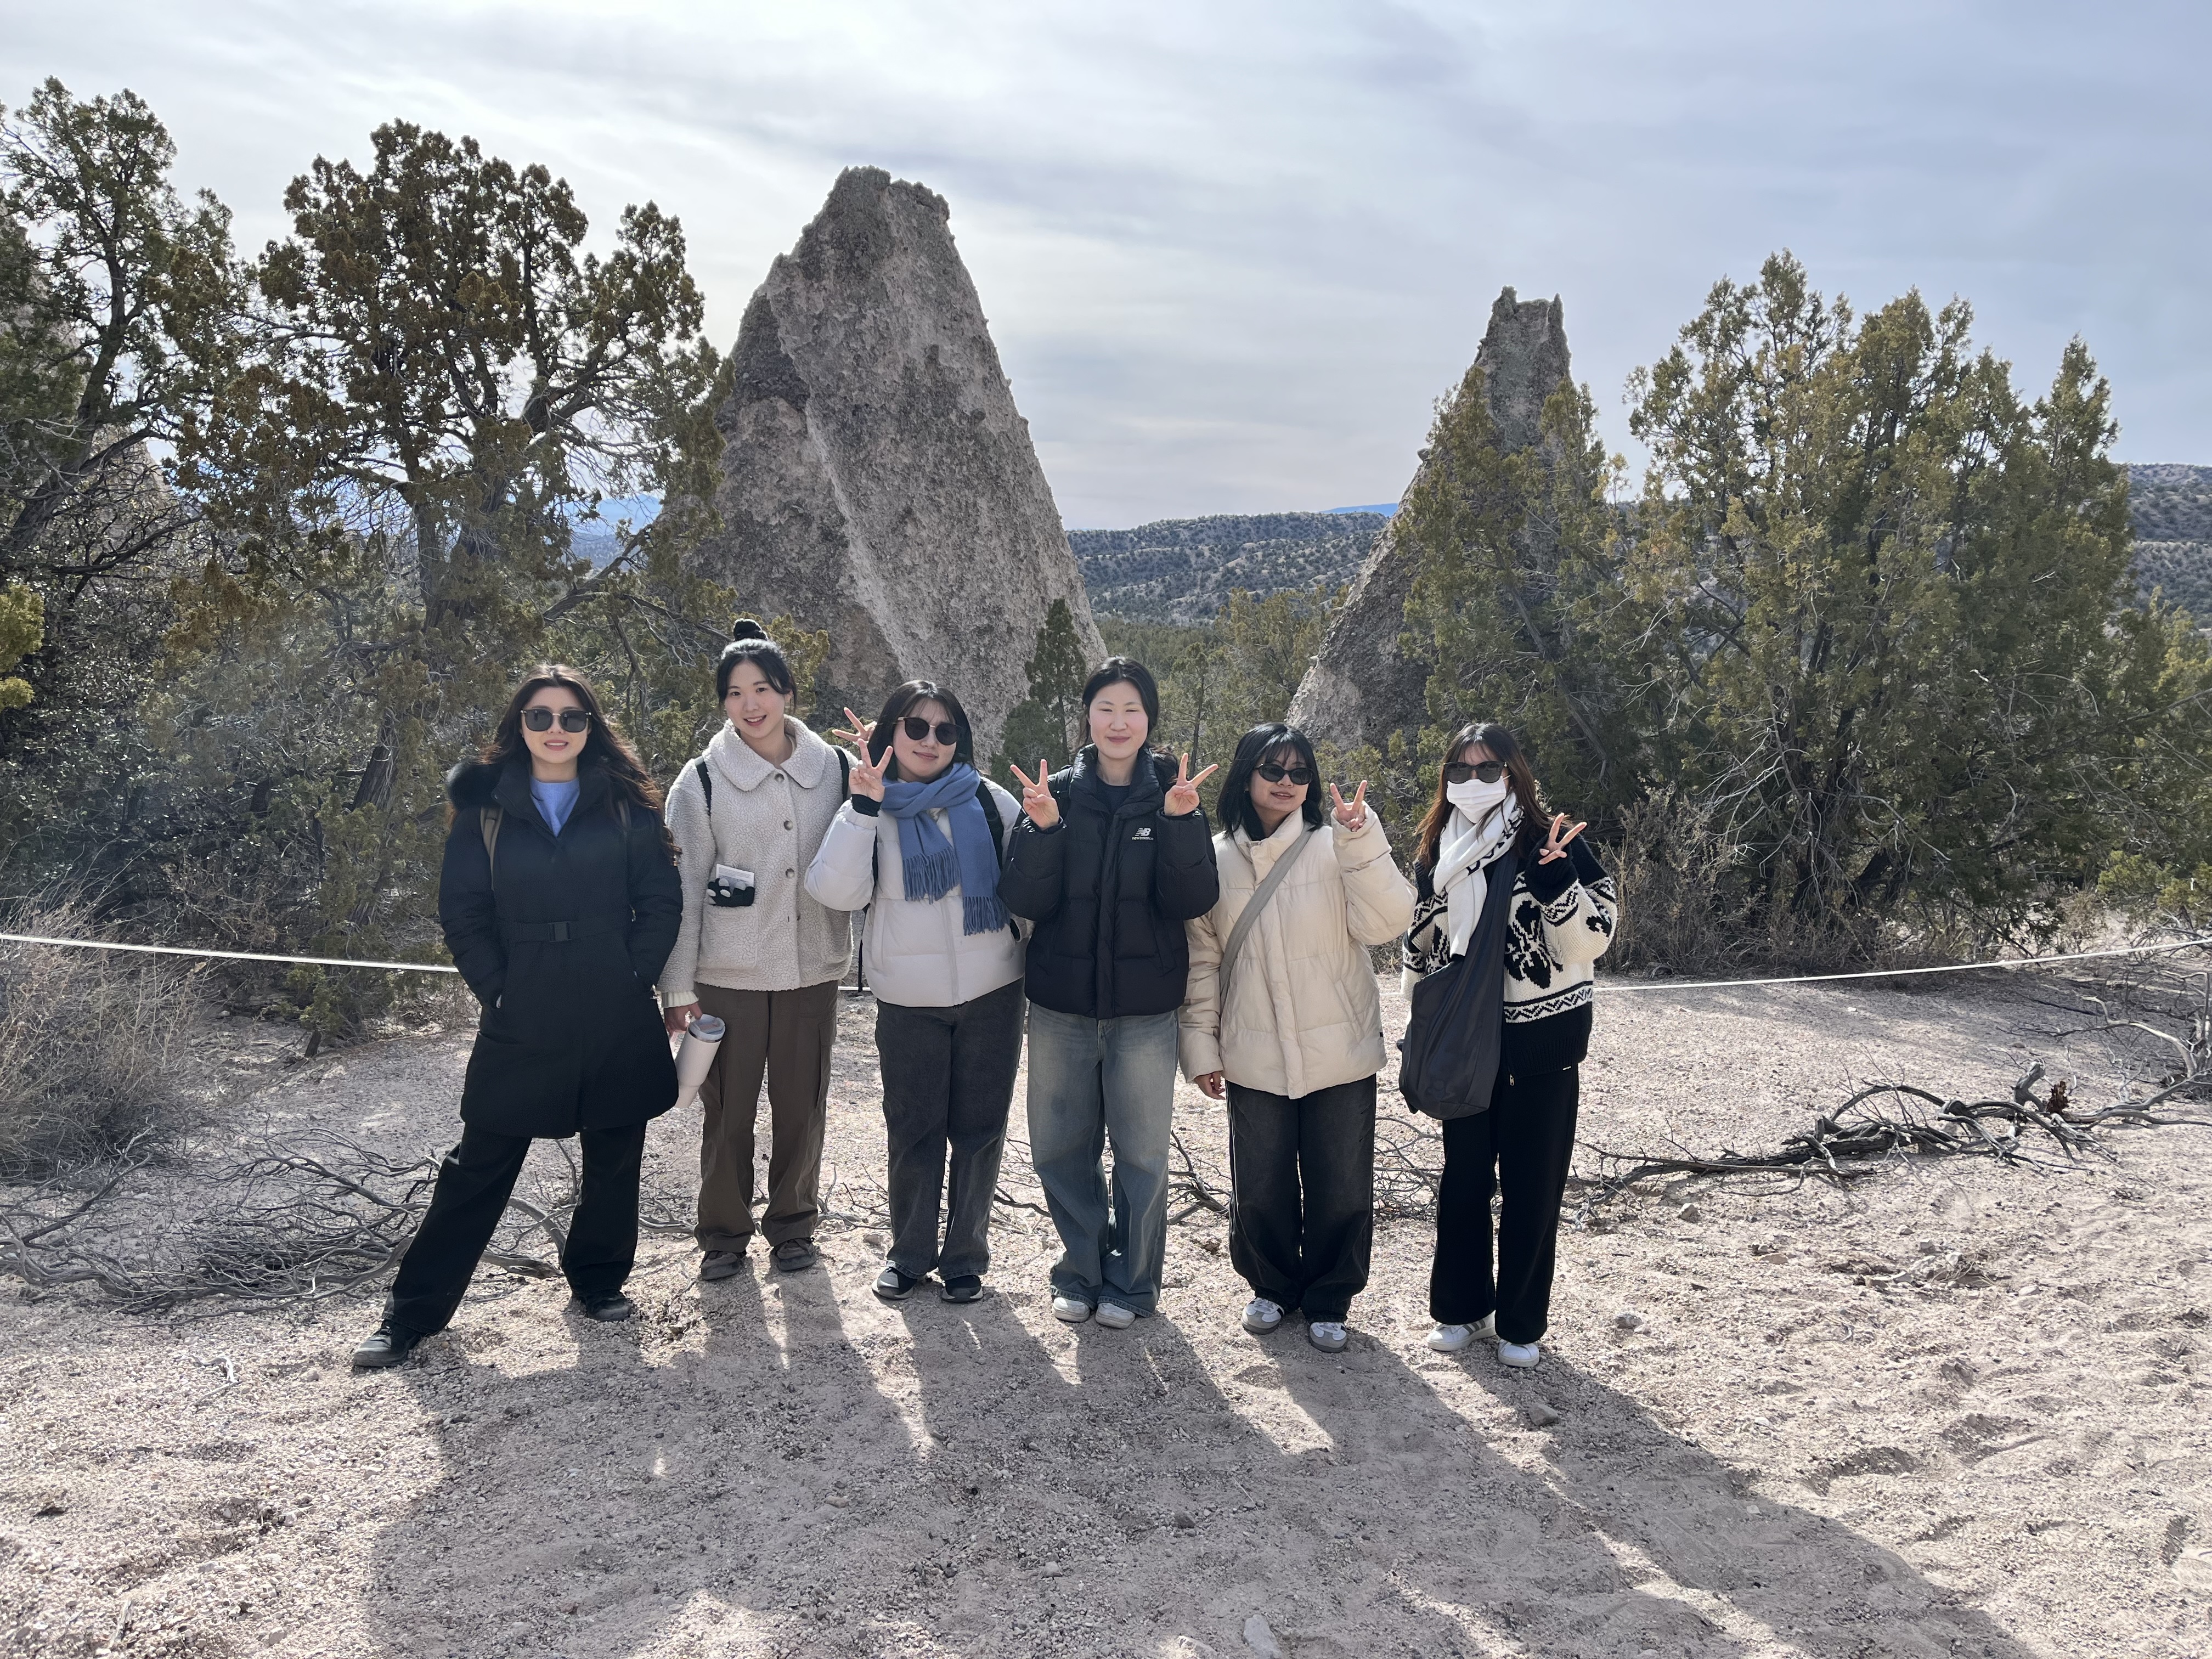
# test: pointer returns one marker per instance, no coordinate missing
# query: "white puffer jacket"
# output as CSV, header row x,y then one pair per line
x,y
770,820
1303,1013
916,954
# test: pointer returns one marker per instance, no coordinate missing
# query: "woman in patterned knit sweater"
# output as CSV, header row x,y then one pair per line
x,y
1488,824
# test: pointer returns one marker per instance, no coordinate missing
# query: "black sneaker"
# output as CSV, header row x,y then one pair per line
x,y
611,1306
792,1255
893,1285
962,1287
721,1264
387,1345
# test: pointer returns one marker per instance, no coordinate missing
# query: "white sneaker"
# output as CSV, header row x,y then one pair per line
x,y
1262,1316
1521,1356
1070,1309
1327,1334
1451,1339
1115,1317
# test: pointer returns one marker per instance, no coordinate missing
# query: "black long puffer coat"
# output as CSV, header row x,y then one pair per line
x,y
1110,891
563,954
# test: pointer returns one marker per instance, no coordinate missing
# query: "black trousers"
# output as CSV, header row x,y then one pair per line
x,y
1302,1194
948,1081
1520,1147
473,1184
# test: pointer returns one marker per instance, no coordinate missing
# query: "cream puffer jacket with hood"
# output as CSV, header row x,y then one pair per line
x,y
915,954
769,819
1304,1012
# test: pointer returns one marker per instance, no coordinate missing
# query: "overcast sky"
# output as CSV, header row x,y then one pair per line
x,y
1232,252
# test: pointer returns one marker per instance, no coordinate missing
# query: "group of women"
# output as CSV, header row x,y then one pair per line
x,y
595,922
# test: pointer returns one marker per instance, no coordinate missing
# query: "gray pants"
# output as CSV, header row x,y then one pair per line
x,y
1093,1080
948,1082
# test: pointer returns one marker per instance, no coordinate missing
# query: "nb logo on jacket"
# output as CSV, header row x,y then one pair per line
x,y
1144,833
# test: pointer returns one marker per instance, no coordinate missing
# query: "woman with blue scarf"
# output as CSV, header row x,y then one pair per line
x,y
919,845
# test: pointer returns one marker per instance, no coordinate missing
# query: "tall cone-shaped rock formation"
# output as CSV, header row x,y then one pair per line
x,y
876,479
1360,688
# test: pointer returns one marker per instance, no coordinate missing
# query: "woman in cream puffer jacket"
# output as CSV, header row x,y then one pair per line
x,y
1295,1043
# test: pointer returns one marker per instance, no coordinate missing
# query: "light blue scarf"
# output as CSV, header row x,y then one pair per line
x,y
933,864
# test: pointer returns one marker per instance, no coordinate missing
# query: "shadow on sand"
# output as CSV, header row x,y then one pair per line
x,y
791,1467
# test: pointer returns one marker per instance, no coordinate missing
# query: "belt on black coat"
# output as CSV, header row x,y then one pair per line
x,y
559,932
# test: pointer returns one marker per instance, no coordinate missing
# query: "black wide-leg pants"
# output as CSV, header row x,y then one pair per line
x,y
474,1181
948,1084
1520,1148
1302,1195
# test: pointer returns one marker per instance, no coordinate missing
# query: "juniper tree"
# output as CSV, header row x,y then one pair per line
x,y
450,382
121,315
1880,610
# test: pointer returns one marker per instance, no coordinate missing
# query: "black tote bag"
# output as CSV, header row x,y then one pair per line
x,y
1450,1050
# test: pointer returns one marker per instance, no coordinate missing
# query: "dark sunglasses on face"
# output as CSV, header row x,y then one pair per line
x,y
1461,771
918,731
1300,775
572,720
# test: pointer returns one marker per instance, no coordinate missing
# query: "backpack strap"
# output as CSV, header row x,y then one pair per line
x,y
844,776
989,803
706,781
488,823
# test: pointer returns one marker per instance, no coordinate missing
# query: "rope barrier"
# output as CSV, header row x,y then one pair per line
x,y
1612,985
1616,985
229,956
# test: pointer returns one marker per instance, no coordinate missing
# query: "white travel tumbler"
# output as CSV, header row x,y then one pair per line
x,y
700,1040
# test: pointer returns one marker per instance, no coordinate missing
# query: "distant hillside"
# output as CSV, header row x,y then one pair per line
x,y
1182,571
2172,507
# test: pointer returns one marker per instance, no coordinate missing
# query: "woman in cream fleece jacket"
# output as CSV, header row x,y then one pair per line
x,y
1296,1040
758,952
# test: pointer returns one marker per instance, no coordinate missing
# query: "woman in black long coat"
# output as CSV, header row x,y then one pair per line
x,y
560,902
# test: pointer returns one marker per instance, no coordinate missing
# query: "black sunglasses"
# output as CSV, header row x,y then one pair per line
x,y
918,731
1300,775
1461,771
572,720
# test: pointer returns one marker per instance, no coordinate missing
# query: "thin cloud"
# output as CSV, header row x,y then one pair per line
x,y
1231,254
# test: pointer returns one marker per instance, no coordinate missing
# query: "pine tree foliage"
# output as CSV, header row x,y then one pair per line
x,y
1877,615
1047,724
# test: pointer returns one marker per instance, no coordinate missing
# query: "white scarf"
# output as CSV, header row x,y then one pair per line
x,y
1465,851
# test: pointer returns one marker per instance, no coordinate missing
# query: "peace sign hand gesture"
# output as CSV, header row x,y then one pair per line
x,y
1351,814
867,777
1182,796
1555,844
1038,804
857,731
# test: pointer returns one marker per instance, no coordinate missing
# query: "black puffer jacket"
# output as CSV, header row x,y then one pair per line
x,y
563,955
1109,891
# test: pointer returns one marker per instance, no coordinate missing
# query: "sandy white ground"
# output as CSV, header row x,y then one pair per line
x,y
1957,1410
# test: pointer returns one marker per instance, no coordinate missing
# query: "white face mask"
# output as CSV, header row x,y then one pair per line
x,y
1475,798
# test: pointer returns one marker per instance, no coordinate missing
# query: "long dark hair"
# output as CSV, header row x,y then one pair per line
x,y
1503,745
749,642
604,746
894,707
1284,744
1124,671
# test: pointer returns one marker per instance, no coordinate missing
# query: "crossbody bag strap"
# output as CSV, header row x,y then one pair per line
x,y
1260,895
706,781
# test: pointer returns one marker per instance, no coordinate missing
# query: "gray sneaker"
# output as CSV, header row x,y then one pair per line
x,y
722,1264
1327,1334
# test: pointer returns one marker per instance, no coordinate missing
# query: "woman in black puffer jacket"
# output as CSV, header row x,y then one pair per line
x,y
1112,856
560,902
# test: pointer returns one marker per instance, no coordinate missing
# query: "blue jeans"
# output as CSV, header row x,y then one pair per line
x,y
1093,1080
